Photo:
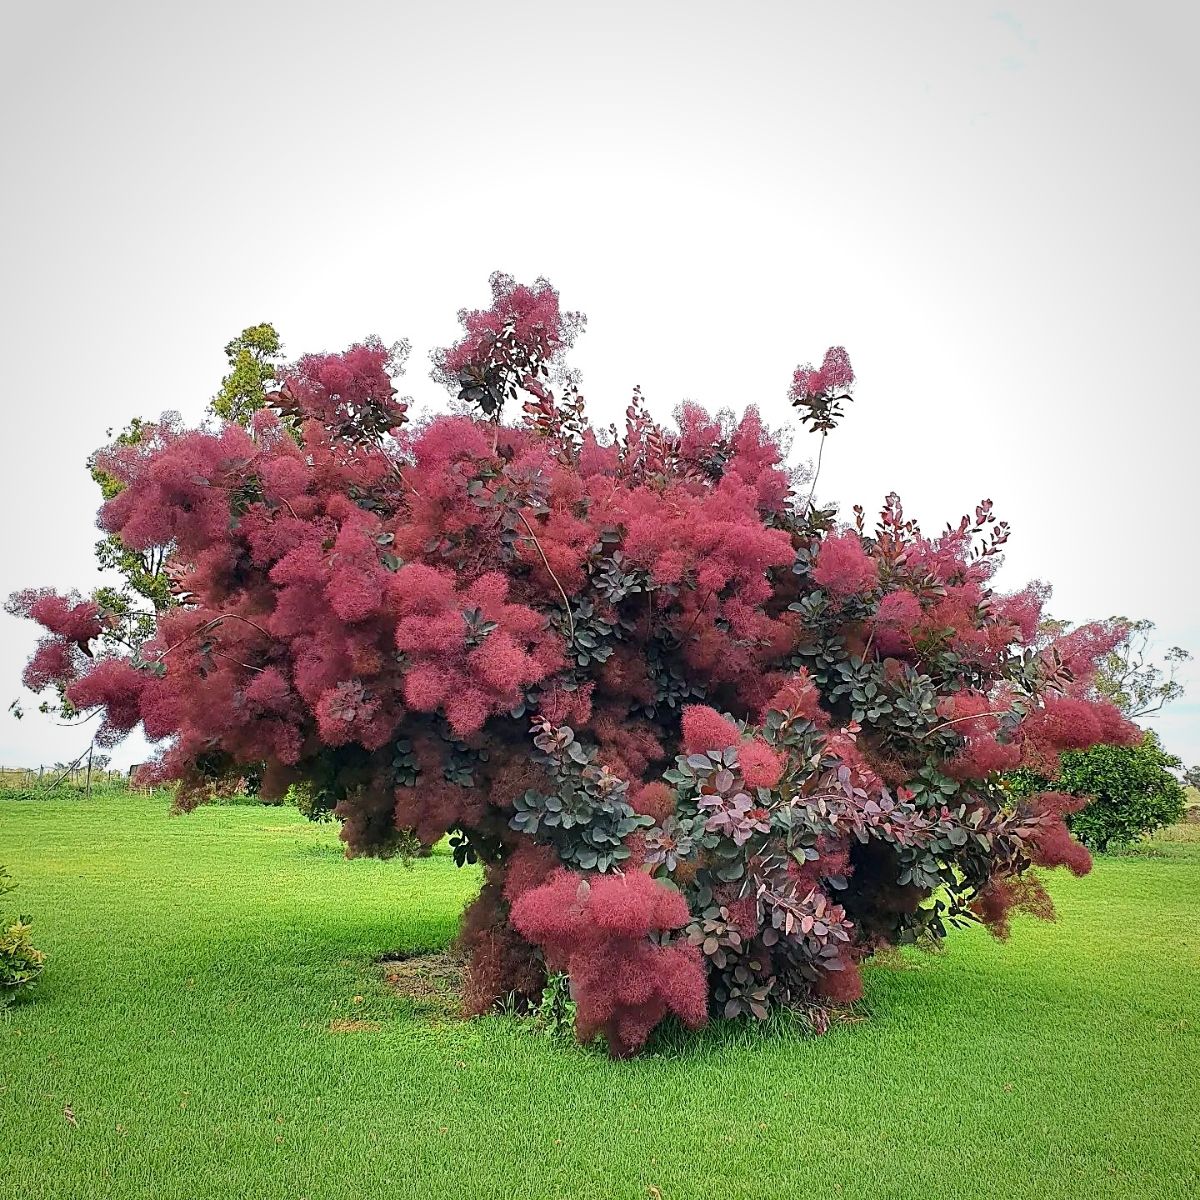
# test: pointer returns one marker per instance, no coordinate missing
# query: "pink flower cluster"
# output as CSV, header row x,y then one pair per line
x,y
598,931
532,313
445,672
835,373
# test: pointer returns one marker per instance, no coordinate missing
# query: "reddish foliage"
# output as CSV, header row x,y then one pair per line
x,y
1006,894
655,800
799,695
52,662
760,765
500,961
1052,844
1072,723
841,987
71,623
843,568
532,311
835,373
528,868
468,681
336,390
1023,610
898,615
597,932
705,729
114,685
1082,649
67,617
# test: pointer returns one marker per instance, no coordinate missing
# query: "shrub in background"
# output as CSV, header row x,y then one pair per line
x,y
711,748
1129,791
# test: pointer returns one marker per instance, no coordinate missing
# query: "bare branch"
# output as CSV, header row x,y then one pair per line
x,y
561,592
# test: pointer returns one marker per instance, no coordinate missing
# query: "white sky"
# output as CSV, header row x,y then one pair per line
x,y
993,208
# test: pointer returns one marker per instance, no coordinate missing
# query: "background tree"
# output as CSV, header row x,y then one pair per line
x,y
1131,791
1130,678
254,356
144,586
1191,776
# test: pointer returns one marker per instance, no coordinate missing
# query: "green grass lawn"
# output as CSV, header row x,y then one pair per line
x,y
196,964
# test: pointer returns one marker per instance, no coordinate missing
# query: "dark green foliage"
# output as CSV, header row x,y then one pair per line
x,y
588,817
1133,790
554,1013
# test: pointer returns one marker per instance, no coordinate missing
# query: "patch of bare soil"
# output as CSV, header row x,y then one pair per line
x,y
344,1025
432,980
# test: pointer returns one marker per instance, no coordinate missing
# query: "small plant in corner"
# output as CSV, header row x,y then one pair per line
x,y
20,961
554,1013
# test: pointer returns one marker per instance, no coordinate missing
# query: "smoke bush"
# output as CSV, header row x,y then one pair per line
x,y
711,748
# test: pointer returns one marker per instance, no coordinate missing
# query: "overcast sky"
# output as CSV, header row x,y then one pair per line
x,y
994,208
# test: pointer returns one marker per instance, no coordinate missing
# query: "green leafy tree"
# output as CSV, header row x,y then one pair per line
x,y
1133,790
254,356
145,588
1130,677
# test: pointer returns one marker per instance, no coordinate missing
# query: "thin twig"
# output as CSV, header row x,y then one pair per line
x,y
816,474
972,717
222,654
561,592
212,625
395,466
73,724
